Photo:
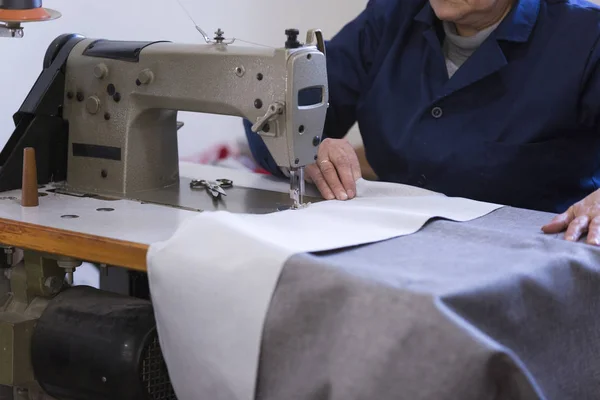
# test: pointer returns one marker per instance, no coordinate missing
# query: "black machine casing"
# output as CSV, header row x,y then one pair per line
x,y
91,344
39,123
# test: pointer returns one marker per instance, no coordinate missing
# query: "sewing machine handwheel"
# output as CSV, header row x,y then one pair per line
x,y
56,46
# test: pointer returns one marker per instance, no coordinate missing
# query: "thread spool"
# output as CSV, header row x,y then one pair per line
x,y
18,11
29,187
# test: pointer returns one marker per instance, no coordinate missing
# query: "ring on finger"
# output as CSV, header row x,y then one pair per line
x,y
324,161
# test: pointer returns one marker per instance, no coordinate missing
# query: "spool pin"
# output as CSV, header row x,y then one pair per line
x,y
29,188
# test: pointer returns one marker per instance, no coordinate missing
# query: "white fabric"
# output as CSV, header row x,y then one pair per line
x,y
212,282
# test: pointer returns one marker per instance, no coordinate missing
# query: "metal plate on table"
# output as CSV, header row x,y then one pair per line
x,y
237,200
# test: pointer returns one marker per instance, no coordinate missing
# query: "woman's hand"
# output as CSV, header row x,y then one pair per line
x,y
336,170
580,218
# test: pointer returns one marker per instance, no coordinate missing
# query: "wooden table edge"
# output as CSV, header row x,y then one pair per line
x,y
82,246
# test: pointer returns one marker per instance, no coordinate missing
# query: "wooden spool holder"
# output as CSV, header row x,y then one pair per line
x,y
29,188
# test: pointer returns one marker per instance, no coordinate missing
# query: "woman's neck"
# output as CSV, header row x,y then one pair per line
x,y
483,21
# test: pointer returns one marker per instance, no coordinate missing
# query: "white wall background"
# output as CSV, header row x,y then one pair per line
x,y
261,21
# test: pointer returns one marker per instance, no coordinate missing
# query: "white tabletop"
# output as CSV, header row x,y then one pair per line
x,y
123,220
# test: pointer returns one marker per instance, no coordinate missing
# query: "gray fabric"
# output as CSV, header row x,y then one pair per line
x,y
489,309
457,49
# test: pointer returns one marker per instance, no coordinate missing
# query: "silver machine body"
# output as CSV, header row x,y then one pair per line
x,y
122,113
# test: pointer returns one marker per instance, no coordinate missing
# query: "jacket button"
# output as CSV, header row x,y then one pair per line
x,y
436,112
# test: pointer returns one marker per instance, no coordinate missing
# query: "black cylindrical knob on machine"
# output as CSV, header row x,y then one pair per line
x,y
91,344
292,39
20,4
57,44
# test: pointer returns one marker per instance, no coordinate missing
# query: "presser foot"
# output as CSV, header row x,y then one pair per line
x,y
297,188
299,206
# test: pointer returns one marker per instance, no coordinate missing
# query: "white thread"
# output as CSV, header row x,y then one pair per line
x,y
187,12
254,43
200,30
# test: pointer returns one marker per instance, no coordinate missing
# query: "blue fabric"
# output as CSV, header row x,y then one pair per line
x,y
516,125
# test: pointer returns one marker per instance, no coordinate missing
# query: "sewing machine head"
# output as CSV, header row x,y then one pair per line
x,y
121,102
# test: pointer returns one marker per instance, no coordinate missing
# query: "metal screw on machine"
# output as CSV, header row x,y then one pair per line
x,y
104,269
219,38
92,104
9,251
53,284
11,30
145,77
240,71
100,71
69,264
8,262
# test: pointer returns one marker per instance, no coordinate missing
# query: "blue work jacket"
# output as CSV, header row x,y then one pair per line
x,y
518,124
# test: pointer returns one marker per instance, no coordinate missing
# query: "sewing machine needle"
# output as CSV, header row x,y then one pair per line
x,y
301,186
297,187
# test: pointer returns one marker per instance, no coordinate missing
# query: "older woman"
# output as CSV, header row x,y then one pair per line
x,y
495,100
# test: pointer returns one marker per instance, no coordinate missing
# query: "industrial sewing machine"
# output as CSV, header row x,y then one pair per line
x,y
102,122
102,115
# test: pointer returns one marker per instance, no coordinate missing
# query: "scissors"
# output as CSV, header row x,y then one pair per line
x,y
215,189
